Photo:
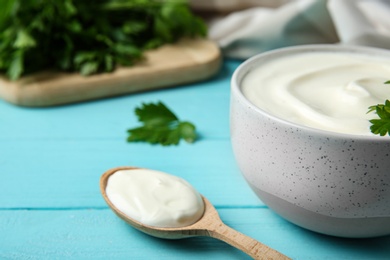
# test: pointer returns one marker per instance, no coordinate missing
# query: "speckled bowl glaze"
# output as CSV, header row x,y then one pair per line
x,y
335,184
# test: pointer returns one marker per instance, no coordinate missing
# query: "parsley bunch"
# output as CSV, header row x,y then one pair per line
x,y
88,36
160,126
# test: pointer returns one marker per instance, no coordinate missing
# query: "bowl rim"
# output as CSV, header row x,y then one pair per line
x,y
240,72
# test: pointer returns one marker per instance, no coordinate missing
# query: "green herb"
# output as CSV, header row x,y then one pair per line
x,y
381,126
160,126
88,36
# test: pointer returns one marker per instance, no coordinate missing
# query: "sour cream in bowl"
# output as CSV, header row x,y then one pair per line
x,y
301,136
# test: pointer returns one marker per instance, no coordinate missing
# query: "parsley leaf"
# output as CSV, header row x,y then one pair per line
x,y
381,126
160,126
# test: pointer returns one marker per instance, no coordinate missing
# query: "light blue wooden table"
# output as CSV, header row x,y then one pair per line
x,y
51,160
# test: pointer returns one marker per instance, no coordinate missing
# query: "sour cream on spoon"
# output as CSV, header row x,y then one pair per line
x,y
155,198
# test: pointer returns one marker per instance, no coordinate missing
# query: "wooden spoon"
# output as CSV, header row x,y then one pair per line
x,y
208,225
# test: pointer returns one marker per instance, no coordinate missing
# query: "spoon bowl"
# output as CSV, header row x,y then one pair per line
x,y
208,225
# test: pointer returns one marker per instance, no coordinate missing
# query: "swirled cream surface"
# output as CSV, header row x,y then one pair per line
x,y
325,90
155,198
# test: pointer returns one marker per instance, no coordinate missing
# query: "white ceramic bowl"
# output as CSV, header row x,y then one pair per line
x,y
331,183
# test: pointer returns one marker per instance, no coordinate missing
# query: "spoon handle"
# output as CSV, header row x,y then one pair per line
x,y
248,245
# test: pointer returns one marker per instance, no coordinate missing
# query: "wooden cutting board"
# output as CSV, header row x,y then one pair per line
x,y
171,65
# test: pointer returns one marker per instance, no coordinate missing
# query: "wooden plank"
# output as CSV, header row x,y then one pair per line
x,y
99,234
65,173
204,103
187,61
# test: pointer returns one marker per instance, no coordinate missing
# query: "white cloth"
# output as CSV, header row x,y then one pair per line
x,y
244,33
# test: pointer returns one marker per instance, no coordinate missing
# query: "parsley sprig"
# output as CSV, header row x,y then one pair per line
x,y
381,126
160,126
